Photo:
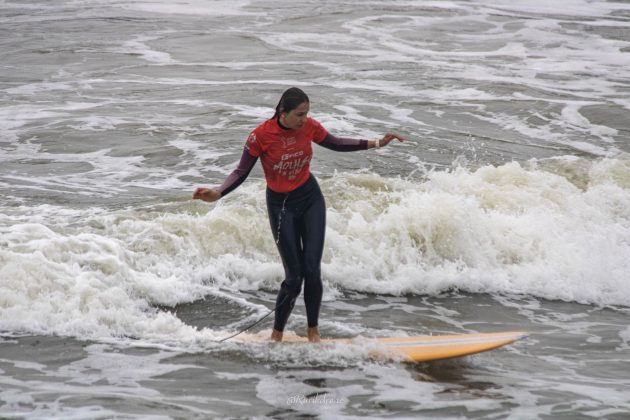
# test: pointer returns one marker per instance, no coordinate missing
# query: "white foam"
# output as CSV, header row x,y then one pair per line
x,y
105,372
508,229
572,116
555,131
384,384
101,279
198,155
97,123
495,230
191,7
580,8
139,47
34,88
14,117
504,229
110,170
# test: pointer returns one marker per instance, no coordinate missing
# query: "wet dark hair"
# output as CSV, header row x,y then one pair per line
x,y
290,99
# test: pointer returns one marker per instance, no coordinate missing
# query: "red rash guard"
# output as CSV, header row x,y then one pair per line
x,y
285,154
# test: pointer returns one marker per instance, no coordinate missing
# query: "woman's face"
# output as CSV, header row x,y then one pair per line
x,y
295,118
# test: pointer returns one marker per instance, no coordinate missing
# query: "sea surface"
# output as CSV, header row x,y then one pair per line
x,y
507,208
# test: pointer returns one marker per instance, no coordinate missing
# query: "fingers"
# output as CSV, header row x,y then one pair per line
x,y
206,194
391,136
387,138
199,193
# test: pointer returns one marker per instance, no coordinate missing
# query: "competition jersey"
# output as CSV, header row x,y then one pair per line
x,y
285,154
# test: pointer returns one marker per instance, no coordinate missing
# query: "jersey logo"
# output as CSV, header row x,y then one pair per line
x,y
288,141
251,140
292,155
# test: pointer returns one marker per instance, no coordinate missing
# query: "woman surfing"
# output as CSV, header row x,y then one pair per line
x,y
295,204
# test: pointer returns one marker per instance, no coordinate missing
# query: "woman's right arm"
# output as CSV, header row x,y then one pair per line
x,y
233,180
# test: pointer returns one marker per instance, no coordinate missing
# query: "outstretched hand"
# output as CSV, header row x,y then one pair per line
x,y
387,138
206,194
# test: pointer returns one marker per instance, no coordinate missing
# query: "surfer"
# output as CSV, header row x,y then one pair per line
x,y
295,204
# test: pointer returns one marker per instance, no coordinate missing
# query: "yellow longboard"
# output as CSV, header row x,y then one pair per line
x,y
427,347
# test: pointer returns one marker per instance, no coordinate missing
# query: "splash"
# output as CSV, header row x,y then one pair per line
x,y
555,229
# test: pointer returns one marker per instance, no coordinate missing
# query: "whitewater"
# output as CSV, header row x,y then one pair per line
x,y
507,208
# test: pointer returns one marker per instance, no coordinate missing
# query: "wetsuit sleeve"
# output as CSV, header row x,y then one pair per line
x,y
239,174
341,144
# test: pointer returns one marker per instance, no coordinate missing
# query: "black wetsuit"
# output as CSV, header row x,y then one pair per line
x,y
298,224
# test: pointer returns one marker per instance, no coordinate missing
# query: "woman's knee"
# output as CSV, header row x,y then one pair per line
x,y
312,279
292,286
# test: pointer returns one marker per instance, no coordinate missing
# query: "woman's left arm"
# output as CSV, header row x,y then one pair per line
x,y
384,141
342,144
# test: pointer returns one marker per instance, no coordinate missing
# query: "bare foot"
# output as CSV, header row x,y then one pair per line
x,y
313,335
276,335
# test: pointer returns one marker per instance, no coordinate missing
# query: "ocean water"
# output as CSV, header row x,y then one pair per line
x,y
507,208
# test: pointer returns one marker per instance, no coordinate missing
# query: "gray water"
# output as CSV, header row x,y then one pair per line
x,y
505,209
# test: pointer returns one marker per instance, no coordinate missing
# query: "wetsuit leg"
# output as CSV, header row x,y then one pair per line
x,y
312,229
286,234
298,223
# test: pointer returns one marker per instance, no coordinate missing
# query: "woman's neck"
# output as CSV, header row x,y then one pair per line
x,y
280,124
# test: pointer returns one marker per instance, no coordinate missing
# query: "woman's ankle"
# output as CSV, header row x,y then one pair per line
x,y
276,335
313,334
